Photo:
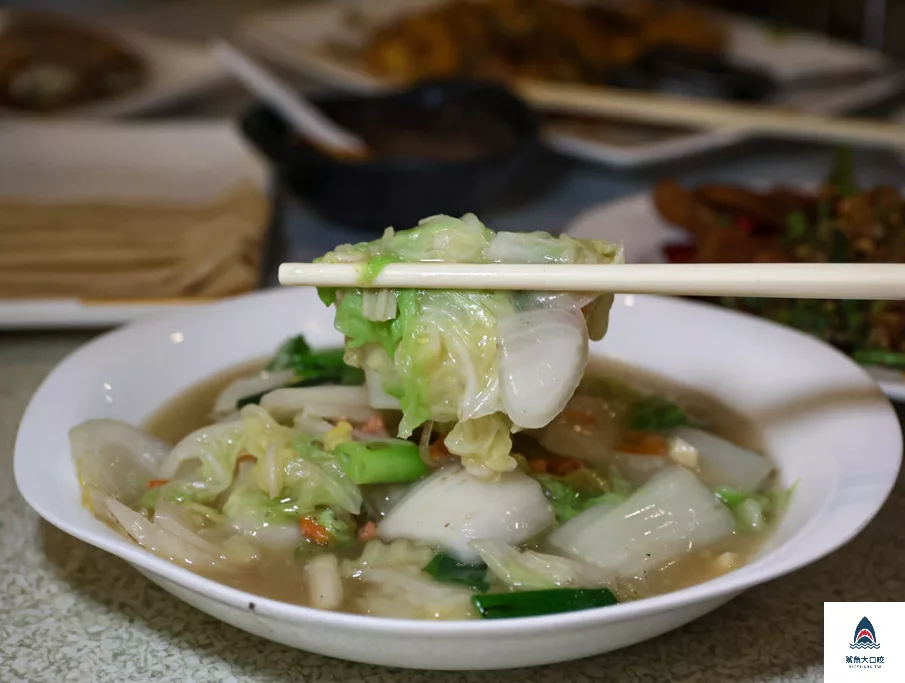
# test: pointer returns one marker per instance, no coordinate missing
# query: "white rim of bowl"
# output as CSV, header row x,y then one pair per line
x,y
727,585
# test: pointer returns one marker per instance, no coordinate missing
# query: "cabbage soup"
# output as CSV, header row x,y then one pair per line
x,y
458,458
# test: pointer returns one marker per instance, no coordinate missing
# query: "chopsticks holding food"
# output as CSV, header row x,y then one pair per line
x,y
660,109
880,281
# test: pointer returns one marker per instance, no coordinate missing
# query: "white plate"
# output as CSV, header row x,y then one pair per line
x,y
818,414
84,161
292,38
176,69
635,223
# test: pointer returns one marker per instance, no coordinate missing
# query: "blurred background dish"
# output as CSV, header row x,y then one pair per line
x,y
835,221
51,66
444,147
362,45
48,65
538,39
125,215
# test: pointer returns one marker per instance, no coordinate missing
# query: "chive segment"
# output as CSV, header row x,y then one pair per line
x,y
383,461
449,570
540,602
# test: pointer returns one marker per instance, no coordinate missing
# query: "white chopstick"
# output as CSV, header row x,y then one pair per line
x,y
303,116
792,280
677,111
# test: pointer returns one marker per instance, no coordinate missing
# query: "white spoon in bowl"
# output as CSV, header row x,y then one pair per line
x,y
304,117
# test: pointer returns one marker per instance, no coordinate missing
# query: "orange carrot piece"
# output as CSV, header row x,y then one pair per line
x,y
579,417
562,466
368,532
538,465
314,531
643,444
156,483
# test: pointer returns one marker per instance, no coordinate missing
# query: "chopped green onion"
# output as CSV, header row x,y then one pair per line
x,y
890,359
729,497
445,568
656,414
384,461
537,603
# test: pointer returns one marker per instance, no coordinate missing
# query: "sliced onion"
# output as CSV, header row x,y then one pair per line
x,y
176,542
116,459
638,469
228,399
451,508
352,413
311,425
543,354
671,515
529,569
723,463
283,404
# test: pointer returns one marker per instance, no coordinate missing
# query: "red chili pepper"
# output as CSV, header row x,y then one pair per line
x,y
680,253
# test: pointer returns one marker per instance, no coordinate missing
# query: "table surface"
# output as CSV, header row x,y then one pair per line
x,y
70,612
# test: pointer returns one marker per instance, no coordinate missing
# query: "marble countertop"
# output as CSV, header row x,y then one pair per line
x,y
71,612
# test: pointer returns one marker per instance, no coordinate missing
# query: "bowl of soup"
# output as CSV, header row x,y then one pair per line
x,y
406,476
444,147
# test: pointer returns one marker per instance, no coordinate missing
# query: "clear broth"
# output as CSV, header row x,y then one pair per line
x,y
279,576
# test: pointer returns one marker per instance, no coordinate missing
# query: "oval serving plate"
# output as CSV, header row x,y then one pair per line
x,y
818,414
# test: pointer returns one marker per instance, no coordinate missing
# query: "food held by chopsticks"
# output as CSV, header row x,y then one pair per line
x,y
838,222
132,250
49,64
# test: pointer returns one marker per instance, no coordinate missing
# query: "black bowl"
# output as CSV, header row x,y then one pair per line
x,y
374,194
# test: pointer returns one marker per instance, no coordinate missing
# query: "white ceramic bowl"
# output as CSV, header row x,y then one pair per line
x,y
823,420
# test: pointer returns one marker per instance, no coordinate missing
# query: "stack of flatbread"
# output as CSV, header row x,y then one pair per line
x,y
133,250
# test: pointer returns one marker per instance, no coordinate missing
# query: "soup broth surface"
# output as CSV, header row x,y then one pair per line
x,y
281,576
